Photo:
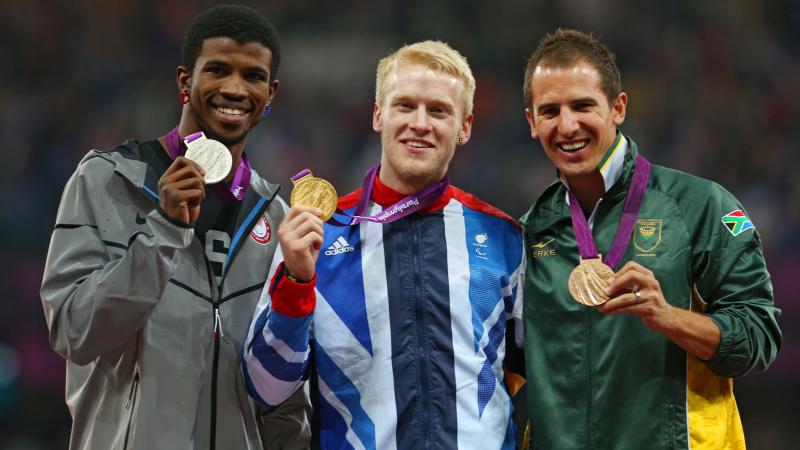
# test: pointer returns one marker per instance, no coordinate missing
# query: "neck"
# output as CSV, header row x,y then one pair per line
x,y
587,190
405,187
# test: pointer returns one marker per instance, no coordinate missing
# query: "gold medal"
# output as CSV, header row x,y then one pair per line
x,y
312,191
589,280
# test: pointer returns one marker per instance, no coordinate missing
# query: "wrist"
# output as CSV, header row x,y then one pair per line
x,y
288,274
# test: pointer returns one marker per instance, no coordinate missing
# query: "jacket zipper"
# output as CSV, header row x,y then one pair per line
x,y
422,357
131,405
588,379
215,332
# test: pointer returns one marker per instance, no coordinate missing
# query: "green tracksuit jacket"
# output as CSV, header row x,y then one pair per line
x,y
607,382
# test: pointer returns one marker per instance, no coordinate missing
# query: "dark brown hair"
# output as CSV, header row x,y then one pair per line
x,y
565,48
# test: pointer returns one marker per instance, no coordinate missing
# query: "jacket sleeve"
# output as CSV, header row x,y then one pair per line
x,y
98,292
731,278
276,352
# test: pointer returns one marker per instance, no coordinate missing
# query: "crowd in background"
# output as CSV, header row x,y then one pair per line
x,y
713,89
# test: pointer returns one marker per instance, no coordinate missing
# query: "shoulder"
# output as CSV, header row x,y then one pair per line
x,y
548,206
691,194
714,217
474,203
102,163
266,188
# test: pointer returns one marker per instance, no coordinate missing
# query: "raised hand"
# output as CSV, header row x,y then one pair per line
x,y
300,235
181,190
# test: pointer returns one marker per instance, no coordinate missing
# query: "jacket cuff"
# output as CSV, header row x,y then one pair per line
x,y
292,298
730,359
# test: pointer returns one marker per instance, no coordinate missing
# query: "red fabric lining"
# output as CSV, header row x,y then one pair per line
x,y
290,298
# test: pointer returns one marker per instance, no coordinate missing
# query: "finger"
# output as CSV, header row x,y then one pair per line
x,y
621,304
181,191
632,266
300,209
624,283
182,173
297,255
294,223
629,280
189,197
313,225
180,162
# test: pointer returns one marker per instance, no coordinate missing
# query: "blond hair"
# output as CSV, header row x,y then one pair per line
x,y
436,55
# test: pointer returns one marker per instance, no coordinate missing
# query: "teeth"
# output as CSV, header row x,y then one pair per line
x,y
416,144
573,145
231,111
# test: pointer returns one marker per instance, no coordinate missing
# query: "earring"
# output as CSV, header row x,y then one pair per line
x,y
267,111
461,140
183,96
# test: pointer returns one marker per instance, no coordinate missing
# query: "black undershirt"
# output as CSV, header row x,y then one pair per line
x,y
216,217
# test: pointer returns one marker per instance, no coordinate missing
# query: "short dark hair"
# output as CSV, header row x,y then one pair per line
x,y
240,23
564,48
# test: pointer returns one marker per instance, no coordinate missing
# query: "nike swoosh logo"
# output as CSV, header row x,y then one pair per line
x,y
542,244
140,219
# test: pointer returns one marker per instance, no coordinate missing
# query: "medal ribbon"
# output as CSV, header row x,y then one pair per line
x,y
228,193
633,202
408,205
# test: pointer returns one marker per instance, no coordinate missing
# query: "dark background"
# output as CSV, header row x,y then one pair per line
x,y
712,88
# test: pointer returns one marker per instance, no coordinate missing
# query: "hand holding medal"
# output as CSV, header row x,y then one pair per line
x,y
315,192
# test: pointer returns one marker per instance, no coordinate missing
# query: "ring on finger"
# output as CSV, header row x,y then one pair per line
x,y
638,296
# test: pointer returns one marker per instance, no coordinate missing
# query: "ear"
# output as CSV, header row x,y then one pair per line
x,y
273,89
618,109
184,78
466,130
377,122
531,123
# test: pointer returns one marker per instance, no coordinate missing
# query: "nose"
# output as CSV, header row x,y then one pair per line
x,y
567,122
420,121
233,87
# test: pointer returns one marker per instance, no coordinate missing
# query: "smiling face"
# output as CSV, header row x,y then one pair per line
x,y
572,118
420,122
228,88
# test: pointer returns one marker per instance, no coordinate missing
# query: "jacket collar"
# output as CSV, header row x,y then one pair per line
x,y
552,207
386,196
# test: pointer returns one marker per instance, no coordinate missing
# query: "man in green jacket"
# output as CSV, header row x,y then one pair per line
x,y
683,302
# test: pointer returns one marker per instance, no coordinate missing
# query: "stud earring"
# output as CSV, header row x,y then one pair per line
x,y
183,96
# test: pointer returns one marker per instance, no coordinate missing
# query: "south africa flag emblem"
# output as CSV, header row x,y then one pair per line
x,y
737,222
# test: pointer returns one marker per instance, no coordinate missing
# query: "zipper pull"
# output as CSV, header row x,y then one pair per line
x,y
217,324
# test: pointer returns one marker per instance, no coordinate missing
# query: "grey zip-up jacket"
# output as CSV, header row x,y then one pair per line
x,y
153,346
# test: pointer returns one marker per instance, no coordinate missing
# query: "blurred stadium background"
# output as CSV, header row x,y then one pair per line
x,y
713,90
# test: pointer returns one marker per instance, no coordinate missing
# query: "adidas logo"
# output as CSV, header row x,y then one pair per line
x,y
340,245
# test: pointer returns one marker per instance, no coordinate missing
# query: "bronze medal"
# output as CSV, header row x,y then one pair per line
x,y
316,192
589,280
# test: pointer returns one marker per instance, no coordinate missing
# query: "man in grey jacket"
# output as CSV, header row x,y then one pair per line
x,y
154,270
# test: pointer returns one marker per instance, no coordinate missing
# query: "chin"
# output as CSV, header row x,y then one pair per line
x,y
227,139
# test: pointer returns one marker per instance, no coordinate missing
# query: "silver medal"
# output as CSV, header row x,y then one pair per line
x,y
212,156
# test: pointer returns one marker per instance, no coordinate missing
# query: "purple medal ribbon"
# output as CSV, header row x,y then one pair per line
x,y
406,206
227,193
633,201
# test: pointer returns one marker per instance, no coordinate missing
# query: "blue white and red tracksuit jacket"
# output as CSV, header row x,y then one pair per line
x,y
408,324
